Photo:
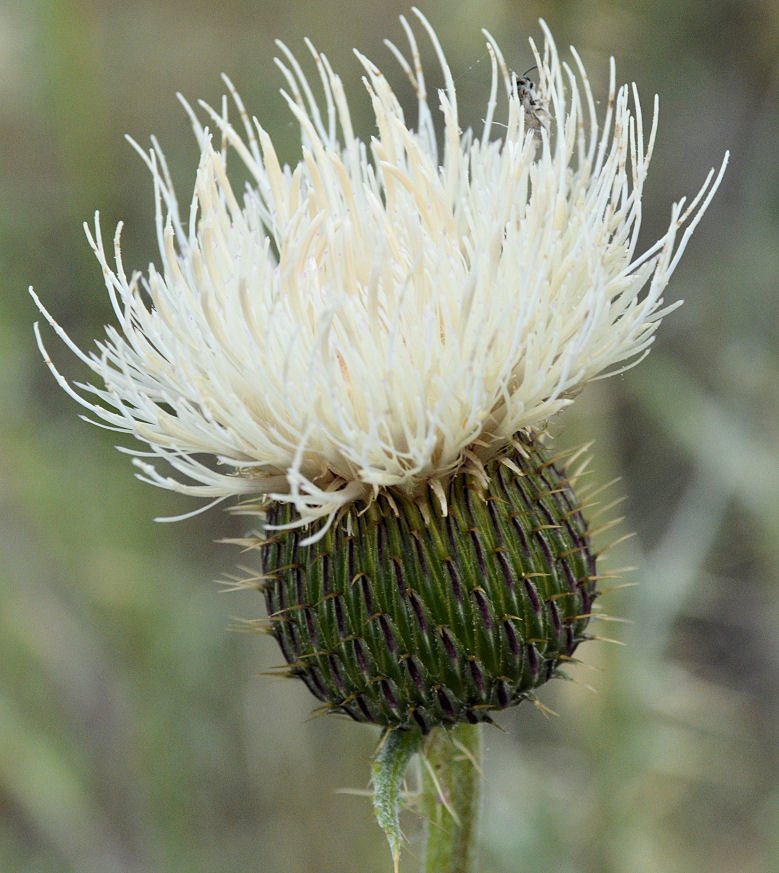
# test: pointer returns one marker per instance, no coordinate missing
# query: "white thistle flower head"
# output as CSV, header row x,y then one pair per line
x,y
383,313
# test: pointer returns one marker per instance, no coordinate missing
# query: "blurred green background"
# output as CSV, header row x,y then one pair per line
x,y
136,732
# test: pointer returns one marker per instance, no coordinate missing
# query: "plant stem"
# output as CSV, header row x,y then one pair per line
x,y
451,787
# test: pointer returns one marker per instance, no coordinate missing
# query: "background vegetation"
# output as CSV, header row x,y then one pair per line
x,y
136,734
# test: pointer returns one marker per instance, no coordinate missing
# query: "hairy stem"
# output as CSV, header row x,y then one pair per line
x,y
451,776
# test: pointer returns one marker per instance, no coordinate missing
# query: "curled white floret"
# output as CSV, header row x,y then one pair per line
x,y
382,312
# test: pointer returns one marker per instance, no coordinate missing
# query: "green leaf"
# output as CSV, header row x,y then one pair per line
x,y
387,774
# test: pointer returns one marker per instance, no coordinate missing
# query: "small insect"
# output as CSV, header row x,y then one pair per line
x,y
531,102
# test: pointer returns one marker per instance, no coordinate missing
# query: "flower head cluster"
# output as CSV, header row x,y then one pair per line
x,y
383,313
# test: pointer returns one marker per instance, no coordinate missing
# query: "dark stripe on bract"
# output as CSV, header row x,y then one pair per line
x,y
511,637
505,566
452,533
532,595
541,540
282,640
401,582
299,583
446,704
452,571
533,658
360,655
418,611
335,672
477,675
365,711
555,613
339,616
420,549
292,637
496,526
416,676
387,631
420,720
310,627
586,599
366,593
570,575
449,645
476,540
520,532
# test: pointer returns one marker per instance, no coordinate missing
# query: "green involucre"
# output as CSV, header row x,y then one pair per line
x,y
406,618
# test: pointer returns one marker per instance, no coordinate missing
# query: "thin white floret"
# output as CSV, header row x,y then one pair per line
x,y
385,312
